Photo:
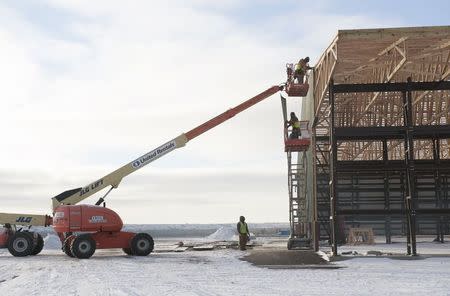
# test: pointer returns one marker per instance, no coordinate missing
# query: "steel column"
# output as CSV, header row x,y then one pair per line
x,y
387,225
438,190
410,171
333,162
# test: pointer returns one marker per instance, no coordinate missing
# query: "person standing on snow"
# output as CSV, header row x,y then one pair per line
x,y
244,234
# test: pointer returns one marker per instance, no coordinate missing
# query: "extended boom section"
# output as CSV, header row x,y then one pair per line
x,y
74,196
231,112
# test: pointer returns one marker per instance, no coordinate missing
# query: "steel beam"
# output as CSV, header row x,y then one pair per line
x,y
392,132
392,212
391,87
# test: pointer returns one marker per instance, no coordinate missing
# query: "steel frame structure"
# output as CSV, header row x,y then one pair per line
x,y
410,168
381,133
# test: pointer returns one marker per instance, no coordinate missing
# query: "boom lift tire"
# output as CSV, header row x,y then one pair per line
x,y
38,245
127,251
142,244
20,244
66,245
83,246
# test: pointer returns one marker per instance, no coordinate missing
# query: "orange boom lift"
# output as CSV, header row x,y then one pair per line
x,y
85,228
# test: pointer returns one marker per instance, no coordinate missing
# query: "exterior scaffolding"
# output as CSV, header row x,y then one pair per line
x,y
300,220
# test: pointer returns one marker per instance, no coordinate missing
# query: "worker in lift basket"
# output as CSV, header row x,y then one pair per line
x,y
300,69
244,234
295,123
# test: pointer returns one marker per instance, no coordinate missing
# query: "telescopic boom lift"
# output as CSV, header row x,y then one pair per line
x,y
84,228
74,196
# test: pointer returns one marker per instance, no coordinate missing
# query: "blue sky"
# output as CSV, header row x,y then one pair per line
x,y
89,85
52,18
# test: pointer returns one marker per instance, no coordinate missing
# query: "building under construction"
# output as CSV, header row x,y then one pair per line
x,y
379,108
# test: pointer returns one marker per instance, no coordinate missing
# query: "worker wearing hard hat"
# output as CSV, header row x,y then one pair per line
x,y
244,234
295,123
300,69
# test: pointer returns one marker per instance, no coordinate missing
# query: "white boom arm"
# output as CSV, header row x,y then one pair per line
x,y
74,196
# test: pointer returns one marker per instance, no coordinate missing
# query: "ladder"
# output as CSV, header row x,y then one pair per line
x,y
297,182
299,220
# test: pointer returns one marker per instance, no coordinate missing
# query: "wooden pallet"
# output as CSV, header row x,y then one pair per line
x,y
360,236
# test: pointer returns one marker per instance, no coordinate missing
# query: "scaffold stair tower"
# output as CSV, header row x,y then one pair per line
x,y
295,148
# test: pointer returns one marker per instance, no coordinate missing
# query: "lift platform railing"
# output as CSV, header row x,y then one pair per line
x,y
304,140
296,89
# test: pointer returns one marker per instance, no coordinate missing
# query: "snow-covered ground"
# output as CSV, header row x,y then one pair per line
x,y
220,272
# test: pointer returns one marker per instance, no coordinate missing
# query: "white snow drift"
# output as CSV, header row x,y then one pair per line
x,y
224,233
52,242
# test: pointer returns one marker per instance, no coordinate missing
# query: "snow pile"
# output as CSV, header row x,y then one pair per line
x,y
52,242
224,233
323,255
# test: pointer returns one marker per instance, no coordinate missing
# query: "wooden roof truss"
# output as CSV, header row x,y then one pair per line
x,y
382,56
